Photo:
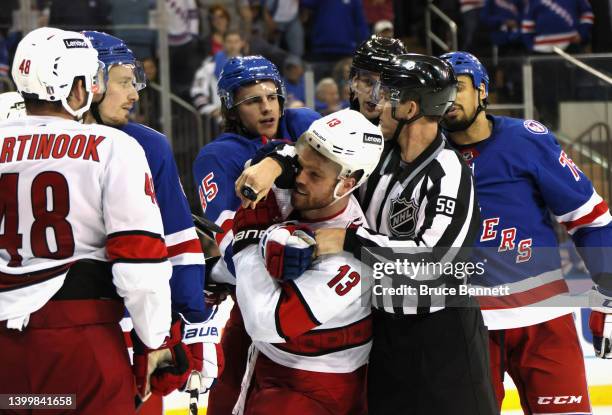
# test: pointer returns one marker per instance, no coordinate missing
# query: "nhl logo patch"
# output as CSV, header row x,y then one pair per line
x,y
535,127
402,217
469,155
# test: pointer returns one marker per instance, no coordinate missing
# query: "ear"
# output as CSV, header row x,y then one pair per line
x,y
78,94
482,91
347,184
412,109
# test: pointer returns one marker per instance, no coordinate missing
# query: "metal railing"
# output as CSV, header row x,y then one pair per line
x,y
190,132
592,153
431,36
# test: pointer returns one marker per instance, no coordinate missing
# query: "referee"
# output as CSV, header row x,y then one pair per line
x,y
430,352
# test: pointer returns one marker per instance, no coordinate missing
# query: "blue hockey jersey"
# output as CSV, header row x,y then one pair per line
x,y
184,249
548,23
524,181
496,14
220,163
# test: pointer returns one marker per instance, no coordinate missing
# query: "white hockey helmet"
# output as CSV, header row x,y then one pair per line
x,y
11,106
349,139
46,62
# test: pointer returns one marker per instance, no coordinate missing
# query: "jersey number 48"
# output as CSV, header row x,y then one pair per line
x,y
44,217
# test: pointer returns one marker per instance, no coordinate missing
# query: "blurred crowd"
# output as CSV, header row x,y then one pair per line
x,y
321,33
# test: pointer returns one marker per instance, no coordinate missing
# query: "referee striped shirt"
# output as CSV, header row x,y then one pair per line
x,y
422,212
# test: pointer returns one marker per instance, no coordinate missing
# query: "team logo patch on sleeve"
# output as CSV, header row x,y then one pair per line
x,y
402,217
535,127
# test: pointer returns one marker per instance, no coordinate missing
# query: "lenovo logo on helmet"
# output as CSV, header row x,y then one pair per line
x,y
372,139
75,43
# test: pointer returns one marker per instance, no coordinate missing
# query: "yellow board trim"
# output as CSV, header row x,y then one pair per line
x,y
601,395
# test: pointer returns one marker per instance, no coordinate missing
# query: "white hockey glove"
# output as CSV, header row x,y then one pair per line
x,y
600,322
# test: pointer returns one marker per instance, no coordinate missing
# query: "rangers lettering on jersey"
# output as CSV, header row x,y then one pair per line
x,y
44,146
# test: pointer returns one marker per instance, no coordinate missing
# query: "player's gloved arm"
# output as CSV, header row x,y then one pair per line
x,y
165,369
287,249
203,339
600,322
250,224
279,167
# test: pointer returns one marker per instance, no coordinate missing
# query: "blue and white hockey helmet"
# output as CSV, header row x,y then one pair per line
x,y
465,63
113,51
245,70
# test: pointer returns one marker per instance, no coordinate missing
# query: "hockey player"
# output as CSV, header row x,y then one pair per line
x,y
11,106
80,239
521,174
124,78
252,98
420,198
312,333
368,61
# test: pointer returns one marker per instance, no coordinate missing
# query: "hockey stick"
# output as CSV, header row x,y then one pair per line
x,y
205,226
193,388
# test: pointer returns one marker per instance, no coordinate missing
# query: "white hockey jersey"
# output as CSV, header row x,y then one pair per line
x,y
318,322
70,191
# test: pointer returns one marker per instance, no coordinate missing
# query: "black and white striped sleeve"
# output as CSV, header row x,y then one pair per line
x,y
448,214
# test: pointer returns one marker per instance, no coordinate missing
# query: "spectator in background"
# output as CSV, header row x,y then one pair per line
x,y
256,37
469,27
503,19
566,24
337,27
183,32
79,15
342,76
284,24
376,10
140,41
328,97
293,77
383,28
204,89
218,20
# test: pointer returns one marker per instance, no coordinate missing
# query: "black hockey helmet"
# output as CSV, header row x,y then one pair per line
x,y
426,79
370,58
375,52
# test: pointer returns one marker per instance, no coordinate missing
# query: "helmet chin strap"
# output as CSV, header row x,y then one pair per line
x,y
402,122
95,110
81,111
479,109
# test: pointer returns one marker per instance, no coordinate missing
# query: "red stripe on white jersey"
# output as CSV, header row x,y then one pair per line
x,y
319,342
524,298
293,317
137,245
15,281
226,226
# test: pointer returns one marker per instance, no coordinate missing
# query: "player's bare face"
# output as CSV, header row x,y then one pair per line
x,y
363,85
259,108
121,95
459,115
315,183
387,123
